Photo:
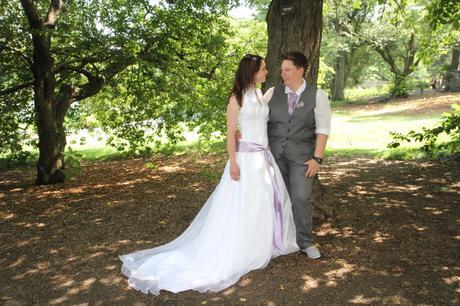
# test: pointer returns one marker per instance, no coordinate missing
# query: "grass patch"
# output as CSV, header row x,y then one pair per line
x,y
362,95
100,153
197,147
25,160
401,153
355,152
358,119
356,131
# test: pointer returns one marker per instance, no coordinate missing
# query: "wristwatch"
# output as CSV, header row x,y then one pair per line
x,y
319,160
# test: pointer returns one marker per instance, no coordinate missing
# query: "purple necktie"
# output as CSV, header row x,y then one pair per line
x,y
292,102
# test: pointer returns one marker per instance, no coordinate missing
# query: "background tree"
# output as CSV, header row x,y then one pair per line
x,y
440,42
62,54
444,12
394,35
147,107
444,19
343,24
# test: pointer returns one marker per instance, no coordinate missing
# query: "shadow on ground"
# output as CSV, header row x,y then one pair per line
x,y
395,239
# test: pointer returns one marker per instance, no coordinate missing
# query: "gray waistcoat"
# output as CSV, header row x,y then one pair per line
x,y
293,135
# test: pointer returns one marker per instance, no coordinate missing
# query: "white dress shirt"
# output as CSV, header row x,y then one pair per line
x,y
322,110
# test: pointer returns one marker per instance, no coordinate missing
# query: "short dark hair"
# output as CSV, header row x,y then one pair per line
x,y
298,59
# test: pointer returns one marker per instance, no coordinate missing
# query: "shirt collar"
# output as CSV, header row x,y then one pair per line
x,y
299,91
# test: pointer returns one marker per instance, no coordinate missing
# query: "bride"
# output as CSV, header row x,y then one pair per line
x,y
246,221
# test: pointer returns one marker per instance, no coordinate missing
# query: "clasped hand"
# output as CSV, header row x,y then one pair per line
x,y
234,171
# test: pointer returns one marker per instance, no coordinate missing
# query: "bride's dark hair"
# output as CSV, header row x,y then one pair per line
x,y
244,76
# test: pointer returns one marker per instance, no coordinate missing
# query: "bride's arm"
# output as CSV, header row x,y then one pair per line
x,y
268,95
233,110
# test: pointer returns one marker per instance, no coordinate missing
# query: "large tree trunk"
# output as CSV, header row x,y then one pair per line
x,y
455,59
51,133
400,89
451,79
298,29
49,114
296,26
339,79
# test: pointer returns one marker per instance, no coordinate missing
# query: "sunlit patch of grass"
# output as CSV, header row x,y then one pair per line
x,y
103,152
349,132
357,130
350,152
355,94
196,147
362,95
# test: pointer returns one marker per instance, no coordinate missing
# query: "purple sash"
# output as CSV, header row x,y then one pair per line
x,y
244,146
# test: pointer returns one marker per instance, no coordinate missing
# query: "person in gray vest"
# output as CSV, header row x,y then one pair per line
x,y
298,128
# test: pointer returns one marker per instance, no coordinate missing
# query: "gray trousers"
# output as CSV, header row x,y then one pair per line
x,y
300,191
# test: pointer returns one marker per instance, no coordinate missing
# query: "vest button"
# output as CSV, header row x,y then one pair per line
x,y
287,138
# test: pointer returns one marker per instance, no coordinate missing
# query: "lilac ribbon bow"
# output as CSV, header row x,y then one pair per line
x,y
244,146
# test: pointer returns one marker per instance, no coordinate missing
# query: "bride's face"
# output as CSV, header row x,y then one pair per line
x,y
261,74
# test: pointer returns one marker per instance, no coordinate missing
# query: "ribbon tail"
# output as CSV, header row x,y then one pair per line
x,y
278,240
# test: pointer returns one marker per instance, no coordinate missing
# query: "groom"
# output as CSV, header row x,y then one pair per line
x,y
298,128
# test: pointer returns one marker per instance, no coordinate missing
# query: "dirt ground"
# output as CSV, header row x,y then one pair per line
x,y
395,239
431,103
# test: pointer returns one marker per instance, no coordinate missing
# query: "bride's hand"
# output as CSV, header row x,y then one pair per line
x,y
235,172
238,135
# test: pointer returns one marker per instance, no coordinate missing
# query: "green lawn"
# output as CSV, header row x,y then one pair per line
x,y
357,130
370,135
352,134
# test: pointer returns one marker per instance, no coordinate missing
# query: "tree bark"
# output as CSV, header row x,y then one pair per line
x,y
51,133
296,30
455,59
400,89
339,79
451,79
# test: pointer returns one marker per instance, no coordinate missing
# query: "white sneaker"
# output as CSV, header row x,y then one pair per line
x,y
312,252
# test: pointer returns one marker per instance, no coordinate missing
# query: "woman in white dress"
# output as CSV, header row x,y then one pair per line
x,y
246,221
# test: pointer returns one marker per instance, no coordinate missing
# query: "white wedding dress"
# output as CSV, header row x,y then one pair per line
x,y
234,231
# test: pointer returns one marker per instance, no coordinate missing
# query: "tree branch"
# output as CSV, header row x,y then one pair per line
x,y
387,57
64,99
32,14
95,83
409,64
16,88
89,89
83,61
24,57
53,13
